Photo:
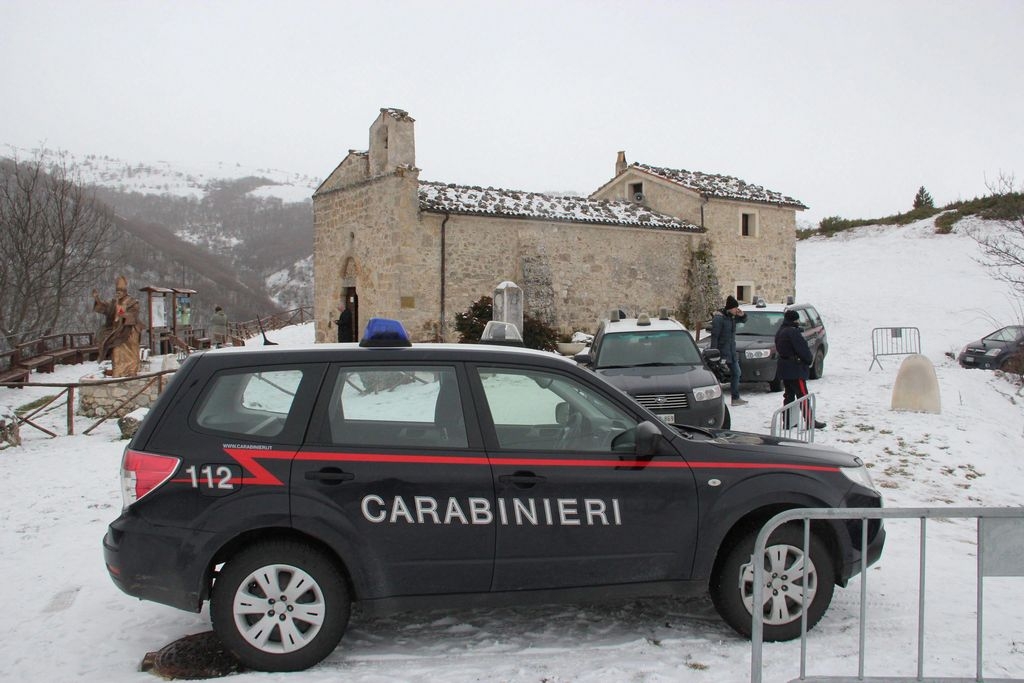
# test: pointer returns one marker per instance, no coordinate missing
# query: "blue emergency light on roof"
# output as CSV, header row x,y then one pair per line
x,y
384,332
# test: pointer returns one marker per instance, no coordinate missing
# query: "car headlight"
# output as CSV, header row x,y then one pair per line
x,y
759,353
707,393
859,475
993,352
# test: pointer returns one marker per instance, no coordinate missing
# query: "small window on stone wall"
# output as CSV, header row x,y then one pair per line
x,y
636,192
744,293
748,224
408,302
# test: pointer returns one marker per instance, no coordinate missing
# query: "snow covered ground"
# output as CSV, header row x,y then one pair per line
x,y
71,623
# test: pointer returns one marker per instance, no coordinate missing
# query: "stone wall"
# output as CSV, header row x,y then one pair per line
x,y
766,260
99,397
571,274
368,236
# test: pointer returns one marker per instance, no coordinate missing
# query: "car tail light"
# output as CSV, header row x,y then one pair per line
x,y
142,473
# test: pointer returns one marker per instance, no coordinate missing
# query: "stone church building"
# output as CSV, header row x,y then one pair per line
x,y
396,246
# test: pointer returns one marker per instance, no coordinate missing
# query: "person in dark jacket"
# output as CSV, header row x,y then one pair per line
x,y
723,338
794,363
344,323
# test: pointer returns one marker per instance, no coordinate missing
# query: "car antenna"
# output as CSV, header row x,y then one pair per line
x,y
266,342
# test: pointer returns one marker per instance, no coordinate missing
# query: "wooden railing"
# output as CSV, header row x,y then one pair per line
x,y
68,394
45,353
242,330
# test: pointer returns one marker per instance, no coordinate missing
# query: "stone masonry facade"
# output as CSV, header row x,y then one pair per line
x,y
422,252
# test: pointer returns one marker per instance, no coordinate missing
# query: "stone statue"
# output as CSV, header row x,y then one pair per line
x,y
120,337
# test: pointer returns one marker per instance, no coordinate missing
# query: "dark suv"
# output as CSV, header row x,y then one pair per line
x,y
656,361
283,485
755,340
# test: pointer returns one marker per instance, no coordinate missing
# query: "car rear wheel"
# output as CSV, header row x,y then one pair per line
x,y
818,366
280,606
787,573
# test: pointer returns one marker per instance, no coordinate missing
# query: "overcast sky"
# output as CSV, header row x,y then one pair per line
x,y
847,106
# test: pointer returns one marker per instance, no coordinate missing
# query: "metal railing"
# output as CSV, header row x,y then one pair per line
x,y
795,420
1000,550
894,341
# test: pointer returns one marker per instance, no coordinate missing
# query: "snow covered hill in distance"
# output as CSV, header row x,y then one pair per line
x,y
174,178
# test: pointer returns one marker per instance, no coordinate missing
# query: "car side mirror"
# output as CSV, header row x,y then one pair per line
x,y
711,355
641,441
648,438
583,358
562,413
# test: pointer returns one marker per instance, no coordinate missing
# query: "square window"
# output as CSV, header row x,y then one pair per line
x,y
748,224
636,192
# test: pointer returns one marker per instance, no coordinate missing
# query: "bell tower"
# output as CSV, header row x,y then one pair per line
x,y
392,142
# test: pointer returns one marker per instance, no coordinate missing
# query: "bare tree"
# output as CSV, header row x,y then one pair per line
x,y
1004,247
56,240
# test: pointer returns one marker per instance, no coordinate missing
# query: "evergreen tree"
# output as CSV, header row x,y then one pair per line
x,y
922,199
703,296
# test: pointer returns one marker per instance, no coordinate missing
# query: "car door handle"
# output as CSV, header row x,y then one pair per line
x,y
330,475
521,479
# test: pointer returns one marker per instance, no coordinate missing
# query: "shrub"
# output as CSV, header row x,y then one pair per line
x,y
470,324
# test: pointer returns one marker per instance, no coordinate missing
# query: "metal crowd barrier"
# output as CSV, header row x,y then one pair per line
x,y
1000,552
795,420
894,341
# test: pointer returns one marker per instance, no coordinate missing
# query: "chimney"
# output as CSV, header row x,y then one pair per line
x,y
620,163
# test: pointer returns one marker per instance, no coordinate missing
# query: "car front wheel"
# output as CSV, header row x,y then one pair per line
x,y
280,606
793,583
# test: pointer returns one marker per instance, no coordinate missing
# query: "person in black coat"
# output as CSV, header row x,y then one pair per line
x,y
344,323
794,363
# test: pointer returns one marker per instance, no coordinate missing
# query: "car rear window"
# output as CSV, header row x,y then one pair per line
x,y
760,323
249,403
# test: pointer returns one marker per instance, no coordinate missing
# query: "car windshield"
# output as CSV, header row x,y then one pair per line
x,y
648,348
760,323
1007,334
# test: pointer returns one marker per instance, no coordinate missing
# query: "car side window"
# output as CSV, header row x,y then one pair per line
x,y
805,320
400,406
537,410
250,402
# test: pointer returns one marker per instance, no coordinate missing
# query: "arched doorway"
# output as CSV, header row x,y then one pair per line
x,y
349,301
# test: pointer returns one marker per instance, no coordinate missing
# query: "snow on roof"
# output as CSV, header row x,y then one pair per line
x,y
461,199
397,114
722,186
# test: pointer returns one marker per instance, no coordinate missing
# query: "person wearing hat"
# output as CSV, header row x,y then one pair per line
x,y
723,338
794,363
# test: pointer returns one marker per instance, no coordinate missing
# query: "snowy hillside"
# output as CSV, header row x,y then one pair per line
x,y
177,179
257,223
57,496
